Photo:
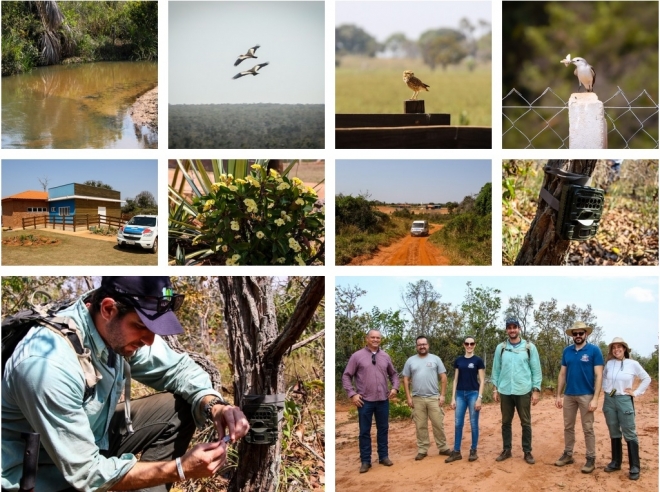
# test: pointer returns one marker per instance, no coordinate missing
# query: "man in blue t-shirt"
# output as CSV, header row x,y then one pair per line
x,y
582,374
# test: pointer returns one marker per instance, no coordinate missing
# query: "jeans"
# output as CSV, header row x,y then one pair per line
x,y
381,411
163,426
523,405
571,406
428,408
466,400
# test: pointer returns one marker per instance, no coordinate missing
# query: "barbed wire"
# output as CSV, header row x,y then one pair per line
x,y
643,129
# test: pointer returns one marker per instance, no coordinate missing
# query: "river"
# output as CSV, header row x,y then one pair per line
x,y
82,106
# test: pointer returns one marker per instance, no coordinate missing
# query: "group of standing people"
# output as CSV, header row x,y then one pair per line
x,y
371,380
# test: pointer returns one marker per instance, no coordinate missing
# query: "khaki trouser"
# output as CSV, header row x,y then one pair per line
x,y
429,408
571,406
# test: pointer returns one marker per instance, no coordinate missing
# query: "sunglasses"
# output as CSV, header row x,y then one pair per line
x,y
469,344
159,304
579,333
373,359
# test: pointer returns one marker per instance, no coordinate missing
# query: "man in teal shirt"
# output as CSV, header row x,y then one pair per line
x,y
86,443
516,379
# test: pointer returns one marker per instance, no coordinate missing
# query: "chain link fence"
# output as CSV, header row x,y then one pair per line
x,y
540,124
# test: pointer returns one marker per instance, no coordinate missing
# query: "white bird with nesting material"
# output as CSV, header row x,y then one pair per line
x,y
583,71
253,71
249,54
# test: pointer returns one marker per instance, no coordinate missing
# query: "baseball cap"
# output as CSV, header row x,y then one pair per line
x,y
153,299
512,321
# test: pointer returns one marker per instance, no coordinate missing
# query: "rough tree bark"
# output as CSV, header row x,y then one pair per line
x,y
203,361
256,348
541,245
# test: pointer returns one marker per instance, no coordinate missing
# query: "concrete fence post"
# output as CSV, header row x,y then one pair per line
x,y
587,126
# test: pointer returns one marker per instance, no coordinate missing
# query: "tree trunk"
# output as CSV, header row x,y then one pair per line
x,y
256,348
203,361
541,245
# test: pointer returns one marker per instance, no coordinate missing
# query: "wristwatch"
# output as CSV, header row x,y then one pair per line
x,y
208,408
536,390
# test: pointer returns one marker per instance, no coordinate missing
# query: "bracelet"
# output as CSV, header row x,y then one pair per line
x,y
209,407
479,396
179,468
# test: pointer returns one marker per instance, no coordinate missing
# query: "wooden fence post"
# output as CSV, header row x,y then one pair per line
x,y
413,106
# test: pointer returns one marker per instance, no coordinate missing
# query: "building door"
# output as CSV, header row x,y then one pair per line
x,y
101,210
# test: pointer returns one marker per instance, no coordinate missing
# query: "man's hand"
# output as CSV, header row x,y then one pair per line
x,y
357,400
593,405
496,396
410,402
559,402
535,397
204,460
393,393
232,418
441,400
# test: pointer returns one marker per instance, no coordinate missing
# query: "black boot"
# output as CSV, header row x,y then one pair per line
x,y
617,452
633,459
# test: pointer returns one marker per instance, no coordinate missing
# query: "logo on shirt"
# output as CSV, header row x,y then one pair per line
x,y
471,365
430,364
585,358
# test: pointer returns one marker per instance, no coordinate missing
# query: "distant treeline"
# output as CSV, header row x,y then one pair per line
x,y
247,126
48,33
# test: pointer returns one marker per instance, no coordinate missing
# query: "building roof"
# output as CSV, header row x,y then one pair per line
x,y
28,195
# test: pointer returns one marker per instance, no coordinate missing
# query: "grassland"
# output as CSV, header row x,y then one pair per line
x,y
373,85
351,242
73,250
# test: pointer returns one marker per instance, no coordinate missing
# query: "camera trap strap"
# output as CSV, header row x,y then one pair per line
x,y
573,178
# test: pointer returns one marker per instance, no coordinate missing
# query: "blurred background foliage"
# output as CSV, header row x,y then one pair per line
x,y
619,39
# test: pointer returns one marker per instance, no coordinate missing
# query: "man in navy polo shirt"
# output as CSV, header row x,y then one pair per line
x,y
582,374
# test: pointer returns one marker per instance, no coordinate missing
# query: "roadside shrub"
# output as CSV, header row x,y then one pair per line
x,y
357,211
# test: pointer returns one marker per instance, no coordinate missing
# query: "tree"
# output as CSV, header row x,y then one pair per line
x,y
442,47
98,184
352,39
541,245
483,203
145,199
521,308
44,182
256,348
400,46
423,304
51,19
480,309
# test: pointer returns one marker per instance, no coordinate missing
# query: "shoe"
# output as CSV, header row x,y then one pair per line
x,y
473,455
529,459
617,455
589,465
566,459
633,459
365,467
386,462
420,456
446,452
504,455
454,456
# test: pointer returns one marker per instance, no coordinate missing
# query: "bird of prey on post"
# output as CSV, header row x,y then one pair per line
x,y
253,71
249,54
583,71
414,83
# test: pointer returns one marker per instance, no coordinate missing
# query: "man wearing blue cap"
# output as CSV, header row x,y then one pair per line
x,y
88,440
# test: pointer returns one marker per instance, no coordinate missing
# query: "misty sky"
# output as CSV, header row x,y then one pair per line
x,y
625,307
130,177
381,19
412,181
205,39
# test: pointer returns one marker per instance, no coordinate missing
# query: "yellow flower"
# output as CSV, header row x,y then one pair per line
x,y
241,181
279,222
271,205
293,244
253,181
251,205
281,260
236,257
297,181
274,174
283,186
299,260
230,262
256,167
208,204
215,186
224,248
235,226
310,190
300,201
260,234
233,188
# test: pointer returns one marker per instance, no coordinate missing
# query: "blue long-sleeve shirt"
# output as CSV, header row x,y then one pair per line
x,y
514,371
42,391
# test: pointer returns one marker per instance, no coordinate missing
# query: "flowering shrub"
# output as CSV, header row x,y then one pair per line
x,y
264,218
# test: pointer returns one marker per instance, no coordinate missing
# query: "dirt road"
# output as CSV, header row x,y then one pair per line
x,y
407,251
485,474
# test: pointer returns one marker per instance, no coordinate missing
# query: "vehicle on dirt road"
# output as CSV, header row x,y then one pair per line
x,y
141,230
419,228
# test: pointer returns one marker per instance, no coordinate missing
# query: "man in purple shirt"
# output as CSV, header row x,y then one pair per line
x,y
371,368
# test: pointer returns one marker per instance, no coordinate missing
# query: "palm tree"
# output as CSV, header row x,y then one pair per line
x,y
51,20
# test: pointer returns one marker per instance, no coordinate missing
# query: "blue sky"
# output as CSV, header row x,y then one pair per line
x,y
413,181
381,19
205,39
625,307
130,177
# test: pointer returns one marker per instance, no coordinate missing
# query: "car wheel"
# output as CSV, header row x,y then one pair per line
x,y
155,247
121,245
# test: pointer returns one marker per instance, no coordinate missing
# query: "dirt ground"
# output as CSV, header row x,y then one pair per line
x,y
144,111
485,474
407,251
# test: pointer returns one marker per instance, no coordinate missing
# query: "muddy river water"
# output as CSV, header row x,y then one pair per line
x,y
82,106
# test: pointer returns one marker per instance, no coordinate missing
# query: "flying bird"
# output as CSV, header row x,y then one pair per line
x,y
585,73
253,71
414,83
249,54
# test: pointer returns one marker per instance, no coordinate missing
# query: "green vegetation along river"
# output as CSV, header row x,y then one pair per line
x,y
77,106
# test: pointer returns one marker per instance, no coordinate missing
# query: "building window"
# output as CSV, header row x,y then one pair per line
x,y
36,209
52,209
64,211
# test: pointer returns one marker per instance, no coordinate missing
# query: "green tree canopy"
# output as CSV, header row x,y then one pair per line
x,y
352,39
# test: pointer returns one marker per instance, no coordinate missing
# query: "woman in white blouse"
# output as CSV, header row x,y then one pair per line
x,y
619,406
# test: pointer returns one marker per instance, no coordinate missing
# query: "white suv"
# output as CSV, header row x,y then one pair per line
x,y
141,230
419,228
